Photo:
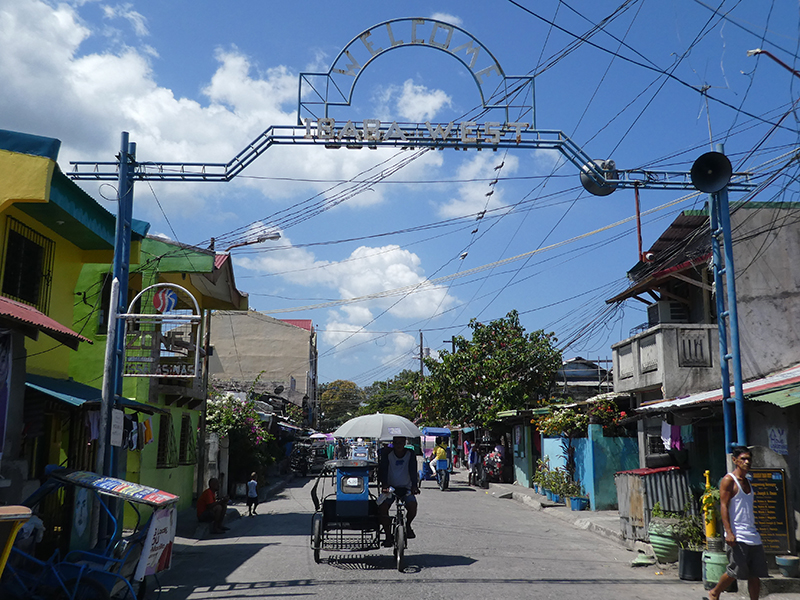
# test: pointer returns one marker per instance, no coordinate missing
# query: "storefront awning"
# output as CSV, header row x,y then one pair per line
x,y
80,394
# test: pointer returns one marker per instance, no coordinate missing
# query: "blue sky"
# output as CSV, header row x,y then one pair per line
x,y
197,81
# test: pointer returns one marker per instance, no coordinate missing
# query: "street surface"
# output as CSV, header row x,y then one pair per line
x,y
469,544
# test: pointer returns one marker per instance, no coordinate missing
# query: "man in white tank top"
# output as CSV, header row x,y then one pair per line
x,y
746,558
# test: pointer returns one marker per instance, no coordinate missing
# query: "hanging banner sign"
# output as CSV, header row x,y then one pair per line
x,y
167,343
157,551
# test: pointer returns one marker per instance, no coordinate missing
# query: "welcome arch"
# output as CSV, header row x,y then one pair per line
x,y
320,91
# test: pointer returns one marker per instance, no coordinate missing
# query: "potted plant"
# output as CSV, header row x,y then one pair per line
x,y
691,537
560,479
663,533
577,497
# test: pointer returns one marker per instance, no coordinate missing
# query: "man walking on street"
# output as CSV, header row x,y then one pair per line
x,y
746,558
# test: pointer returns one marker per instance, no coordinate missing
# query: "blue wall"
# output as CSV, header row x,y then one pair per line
x,y
597,458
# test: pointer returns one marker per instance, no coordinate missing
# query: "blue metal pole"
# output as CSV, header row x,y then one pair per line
x,y
727,409
733,313
120,271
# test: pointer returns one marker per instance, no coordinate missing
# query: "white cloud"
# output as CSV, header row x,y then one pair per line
x,y
418,104
367,271
353,345
411,102
51,89
476,196
447,18
125,11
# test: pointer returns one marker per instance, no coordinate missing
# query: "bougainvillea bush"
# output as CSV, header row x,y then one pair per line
x,y
251,447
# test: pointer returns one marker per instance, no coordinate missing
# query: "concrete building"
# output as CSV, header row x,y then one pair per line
x,y
176,404
671,364
276,358
49,229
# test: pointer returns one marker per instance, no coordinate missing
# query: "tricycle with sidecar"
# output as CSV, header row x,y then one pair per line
x,y
346,519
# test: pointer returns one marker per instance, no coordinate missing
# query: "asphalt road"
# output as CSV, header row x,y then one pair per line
x,y
469,545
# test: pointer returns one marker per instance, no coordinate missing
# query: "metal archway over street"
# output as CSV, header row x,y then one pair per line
x,y
319,91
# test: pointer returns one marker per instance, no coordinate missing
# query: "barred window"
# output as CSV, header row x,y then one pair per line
x,y
167,446
187,449
27,265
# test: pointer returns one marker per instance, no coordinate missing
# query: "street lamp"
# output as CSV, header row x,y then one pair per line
x,y
773,57
258,240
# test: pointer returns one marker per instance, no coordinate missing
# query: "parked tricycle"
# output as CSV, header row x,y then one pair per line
x,y
346,519
112,565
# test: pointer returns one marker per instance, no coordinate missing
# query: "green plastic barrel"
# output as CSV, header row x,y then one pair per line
x,y
714,565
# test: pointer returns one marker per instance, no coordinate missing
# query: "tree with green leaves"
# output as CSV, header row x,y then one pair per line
x,y
394,396
340,400
501,368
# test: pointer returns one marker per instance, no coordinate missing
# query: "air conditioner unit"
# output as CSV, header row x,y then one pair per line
x,y
667,312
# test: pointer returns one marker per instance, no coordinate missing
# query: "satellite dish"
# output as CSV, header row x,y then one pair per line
x,y
711,172
609,170
278,390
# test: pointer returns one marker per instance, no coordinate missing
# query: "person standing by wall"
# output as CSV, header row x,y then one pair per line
x,y
746,558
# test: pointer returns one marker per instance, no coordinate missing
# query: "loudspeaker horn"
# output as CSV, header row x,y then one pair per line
x,y
609,170
711,172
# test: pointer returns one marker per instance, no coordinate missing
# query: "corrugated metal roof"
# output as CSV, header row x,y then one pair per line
x,y
301,323
770,383
784,398
20,313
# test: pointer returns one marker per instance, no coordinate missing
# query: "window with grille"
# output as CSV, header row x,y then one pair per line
x,y
27,265
187,449
167,445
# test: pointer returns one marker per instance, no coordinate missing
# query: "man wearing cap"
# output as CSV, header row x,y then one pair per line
x,y
397,468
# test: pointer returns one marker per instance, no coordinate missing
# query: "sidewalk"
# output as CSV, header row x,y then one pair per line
x,y
187,526
606,523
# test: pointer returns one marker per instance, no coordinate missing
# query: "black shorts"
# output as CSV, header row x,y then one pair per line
x,y
746,561
207,516
252,502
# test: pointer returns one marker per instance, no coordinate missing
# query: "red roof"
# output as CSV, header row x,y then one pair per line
x,y
17,312
221,259
301,323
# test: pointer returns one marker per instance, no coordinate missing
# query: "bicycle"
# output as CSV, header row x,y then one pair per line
x,y
399,528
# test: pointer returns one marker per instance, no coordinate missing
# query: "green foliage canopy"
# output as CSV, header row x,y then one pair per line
x,y
340,400
394,396
501,368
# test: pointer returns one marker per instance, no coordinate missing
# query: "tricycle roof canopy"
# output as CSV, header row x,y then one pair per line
x,y
437,431
111,486
379,426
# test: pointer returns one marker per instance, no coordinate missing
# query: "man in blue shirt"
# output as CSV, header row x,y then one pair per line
x,y
397,468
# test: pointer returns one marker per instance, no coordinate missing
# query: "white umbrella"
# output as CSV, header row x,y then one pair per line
x,y
379,426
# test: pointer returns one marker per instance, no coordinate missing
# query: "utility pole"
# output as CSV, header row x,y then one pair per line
x,y
452,342
115,340
421,352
